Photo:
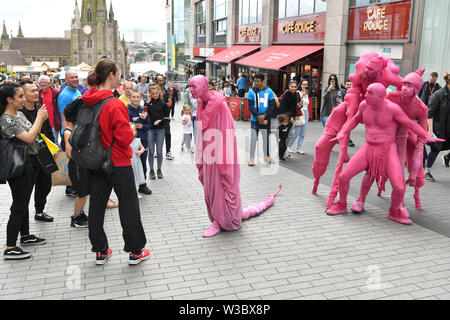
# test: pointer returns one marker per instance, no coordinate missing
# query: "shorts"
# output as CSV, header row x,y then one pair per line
x,y
80,178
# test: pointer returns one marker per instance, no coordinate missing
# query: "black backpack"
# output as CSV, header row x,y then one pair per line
x,y
87,149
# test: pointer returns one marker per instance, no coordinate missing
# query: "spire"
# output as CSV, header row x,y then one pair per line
x,y
4,33
111,12
20,33
101,5
76,21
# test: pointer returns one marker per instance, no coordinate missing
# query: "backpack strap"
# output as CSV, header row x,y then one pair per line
x,y
101,104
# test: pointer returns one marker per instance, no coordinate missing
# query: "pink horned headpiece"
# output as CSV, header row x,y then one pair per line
x,y
415,78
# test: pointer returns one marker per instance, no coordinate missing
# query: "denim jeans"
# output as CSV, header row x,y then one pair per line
x,y
57,135
155,137
299,132
194,127
254,139
324,120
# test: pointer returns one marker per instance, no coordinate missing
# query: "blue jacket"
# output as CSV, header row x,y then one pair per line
x,y
134,117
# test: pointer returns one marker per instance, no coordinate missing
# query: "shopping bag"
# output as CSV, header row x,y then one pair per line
x,y
61,177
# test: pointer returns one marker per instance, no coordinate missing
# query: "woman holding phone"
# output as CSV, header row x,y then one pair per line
x,y
332,98
300,131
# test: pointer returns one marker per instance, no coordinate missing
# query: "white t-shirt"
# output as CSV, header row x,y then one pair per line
x,y
187,128
305,101
227,92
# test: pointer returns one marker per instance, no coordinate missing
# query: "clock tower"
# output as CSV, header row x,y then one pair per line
x,y
95,34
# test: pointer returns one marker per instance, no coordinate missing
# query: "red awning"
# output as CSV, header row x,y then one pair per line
x,y
278,56
232,53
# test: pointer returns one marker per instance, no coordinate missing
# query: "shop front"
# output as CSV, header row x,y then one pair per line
x,y
296,54
384,28
202,53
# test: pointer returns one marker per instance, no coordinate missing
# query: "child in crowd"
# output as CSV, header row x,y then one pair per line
x,y
227,90
186,118
138,150
283,131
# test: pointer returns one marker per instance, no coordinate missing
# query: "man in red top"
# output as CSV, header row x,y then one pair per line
x,y
50,99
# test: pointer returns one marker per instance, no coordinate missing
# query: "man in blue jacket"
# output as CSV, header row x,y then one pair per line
x,y
261,103
142,120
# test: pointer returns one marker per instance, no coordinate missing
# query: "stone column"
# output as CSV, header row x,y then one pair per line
x,y
411,50
336,31
209,29
232,22
267,23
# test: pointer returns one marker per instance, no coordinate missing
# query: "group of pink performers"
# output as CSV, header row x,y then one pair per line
x,y
393,139
395,132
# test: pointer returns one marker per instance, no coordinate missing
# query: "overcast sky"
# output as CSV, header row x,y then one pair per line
x,y
49,18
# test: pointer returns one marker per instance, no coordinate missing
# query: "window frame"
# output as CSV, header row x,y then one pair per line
x,y
298,11
200,25
379,2
241,11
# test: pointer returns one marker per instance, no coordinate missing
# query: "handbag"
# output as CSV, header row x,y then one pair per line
x,y
13,156
46,159
300,118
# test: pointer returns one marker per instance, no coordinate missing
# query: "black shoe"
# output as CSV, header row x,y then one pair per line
x,y
102,257
32,240
282,159
429,177
83,216
144,189
78,221
152,175
70,192
350,143
16,253
160,175
445,161
43,217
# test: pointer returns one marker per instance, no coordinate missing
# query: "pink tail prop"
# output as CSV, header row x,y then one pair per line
x,y
258,208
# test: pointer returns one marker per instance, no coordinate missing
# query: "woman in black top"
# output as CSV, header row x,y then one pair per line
x,y
157,111
333,97
14,125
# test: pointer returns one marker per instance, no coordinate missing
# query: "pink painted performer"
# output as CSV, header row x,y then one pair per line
x,y
410,149
217,162
371,68
378,155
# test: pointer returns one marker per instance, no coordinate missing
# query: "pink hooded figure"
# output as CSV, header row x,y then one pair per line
x,y
410,149
378,156
371,68
216,158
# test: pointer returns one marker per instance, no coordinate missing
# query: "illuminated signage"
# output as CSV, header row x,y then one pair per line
x,y
299,27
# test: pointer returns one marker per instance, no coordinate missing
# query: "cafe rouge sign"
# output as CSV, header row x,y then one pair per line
x,y
305,28
380,22
248,33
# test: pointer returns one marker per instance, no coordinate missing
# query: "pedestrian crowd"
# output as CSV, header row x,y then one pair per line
x,y
130,128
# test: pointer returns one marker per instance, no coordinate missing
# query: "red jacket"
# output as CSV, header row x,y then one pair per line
x,y
114,122
56,115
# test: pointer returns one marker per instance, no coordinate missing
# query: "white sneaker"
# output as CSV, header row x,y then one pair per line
x,y
290,150
140,197
300,151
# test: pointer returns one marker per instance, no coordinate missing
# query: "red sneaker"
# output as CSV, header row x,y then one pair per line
x,y
136,259
102,258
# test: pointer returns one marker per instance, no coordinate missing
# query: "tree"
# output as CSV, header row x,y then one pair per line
x,y
140,56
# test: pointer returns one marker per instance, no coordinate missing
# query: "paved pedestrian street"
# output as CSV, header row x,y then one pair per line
x,y
292,251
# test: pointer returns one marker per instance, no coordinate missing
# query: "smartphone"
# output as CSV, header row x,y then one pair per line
x,y
145,109
41,101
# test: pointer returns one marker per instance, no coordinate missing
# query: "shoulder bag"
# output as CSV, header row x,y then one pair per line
x,y
300,118
13,156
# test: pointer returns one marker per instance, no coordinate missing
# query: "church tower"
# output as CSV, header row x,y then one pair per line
x,y
95,34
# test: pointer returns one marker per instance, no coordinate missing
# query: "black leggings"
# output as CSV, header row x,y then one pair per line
x,y
122,180
168,136
21,190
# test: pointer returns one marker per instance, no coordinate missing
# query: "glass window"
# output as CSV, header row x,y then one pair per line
x,y
220,9
361,3
321,6
281,9
200,12
245,9
306,7
259,11
253,11
291,8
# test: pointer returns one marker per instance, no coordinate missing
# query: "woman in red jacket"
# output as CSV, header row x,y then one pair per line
x,y
114,124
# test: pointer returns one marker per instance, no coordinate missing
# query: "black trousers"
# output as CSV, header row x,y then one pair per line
x,y
172,110
168,136
122,180
282,147
42,188
21,190
144,156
